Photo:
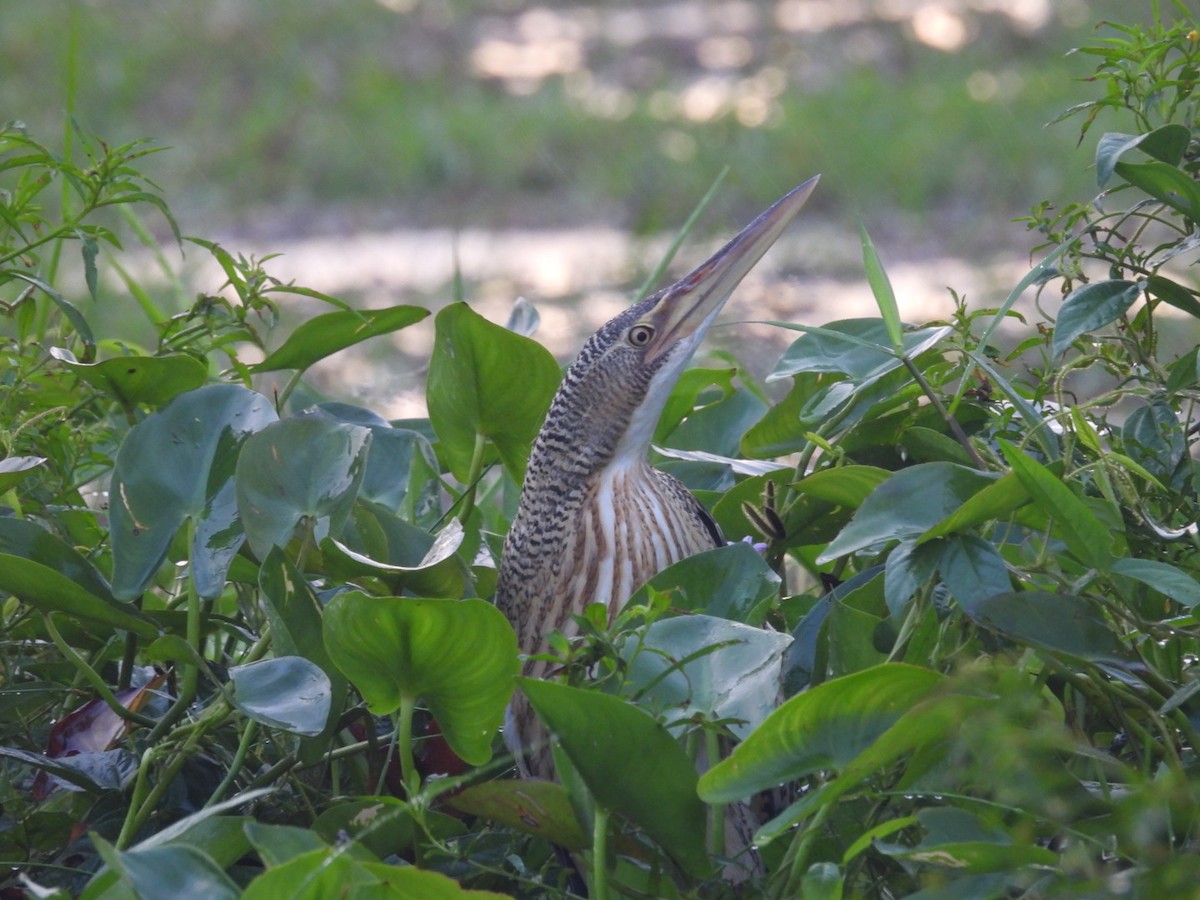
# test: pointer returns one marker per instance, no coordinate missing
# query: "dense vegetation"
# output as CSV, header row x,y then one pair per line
x,y
231,618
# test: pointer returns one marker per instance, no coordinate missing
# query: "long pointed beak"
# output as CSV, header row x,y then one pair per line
x,y
689,306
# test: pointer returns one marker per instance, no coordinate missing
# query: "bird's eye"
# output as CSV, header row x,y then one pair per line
x,y
640,335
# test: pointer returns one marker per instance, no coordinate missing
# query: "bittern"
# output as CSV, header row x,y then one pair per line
x,y
595,520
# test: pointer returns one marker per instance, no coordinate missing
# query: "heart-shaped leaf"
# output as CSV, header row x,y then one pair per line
x,y
486,383
130,380
732,582
309,468
529,804
459,656
630,763
176,465
287,692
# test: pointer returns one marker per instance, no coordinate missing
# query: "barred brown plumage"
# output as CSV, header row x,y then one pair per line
x,y
595,520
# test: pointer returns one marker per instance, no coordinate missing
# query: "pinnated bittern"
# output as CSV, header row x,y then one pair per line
x,y
595,520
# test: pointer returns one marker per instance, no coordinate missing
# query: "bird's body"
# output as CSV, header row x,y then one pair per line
x,y
595,520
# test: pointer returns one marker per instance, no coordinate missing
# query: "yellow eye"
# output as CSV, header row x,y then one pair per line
x,y
640,335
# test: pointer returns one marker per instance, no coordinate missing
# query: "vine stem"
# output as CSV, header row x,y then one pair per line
x,y
951,422
600,853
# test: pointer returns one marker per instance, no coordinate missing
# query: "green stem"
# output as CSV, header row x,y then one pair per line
x,y
408,768
799,850
599,853
716,811
235,766
473,475
951,422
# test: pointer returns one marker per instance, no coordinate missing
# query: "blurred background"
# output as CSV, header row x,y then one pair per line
x,y
551,151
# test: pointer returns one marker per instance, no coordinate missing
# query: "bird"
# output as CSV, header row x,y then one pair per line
x,y
595,521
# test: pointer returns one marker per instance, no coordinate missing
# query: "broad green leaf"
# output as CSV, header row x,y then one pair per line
x,y
537,807
406,558
1154,438
14,468
1086,536
995,501
1173,293
907,504
171,871
1166,143
972,569
881,288
826,727
859,348
459,656
718,427
907,567
130,380
328,333
700,666
305,468
1090,307
1062,623
177,465
630,763
732,582
1165,183
62,770
276,844
287,692
845,486
380,825
686,395
1163,577
486,383
43,571
822,881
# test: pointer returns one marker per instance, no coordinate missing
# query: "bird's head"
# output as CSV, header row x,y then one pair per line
x,y
626,370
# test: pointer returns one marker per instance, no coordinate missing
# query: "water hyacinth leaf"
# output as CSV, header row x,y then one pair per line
x,y
130,380
972,569
822,881
732,671
459,656
1090,307
536,807
287,692
732,582
59,769
1163,577
826,727
326,334
654,786
1062,623
686,396
486,383
1086,536
305,468
906,505
405,557
175,465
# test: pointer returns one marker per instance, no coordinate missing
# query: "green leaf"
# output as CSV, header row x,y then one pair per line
x,y
907,504
172,871
845,486
655,785
1086,536
1173,293
995,501
1091,307
1062,623
1165,183
690,667
45,572
822,881
530,805
1163,577
826,727
972,569
13,469
881,287
859,348
176,465
306,468
130,380
287,692
1167,144
407,558
487,383
78,323
460,656
733,582
1154,438
326,334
